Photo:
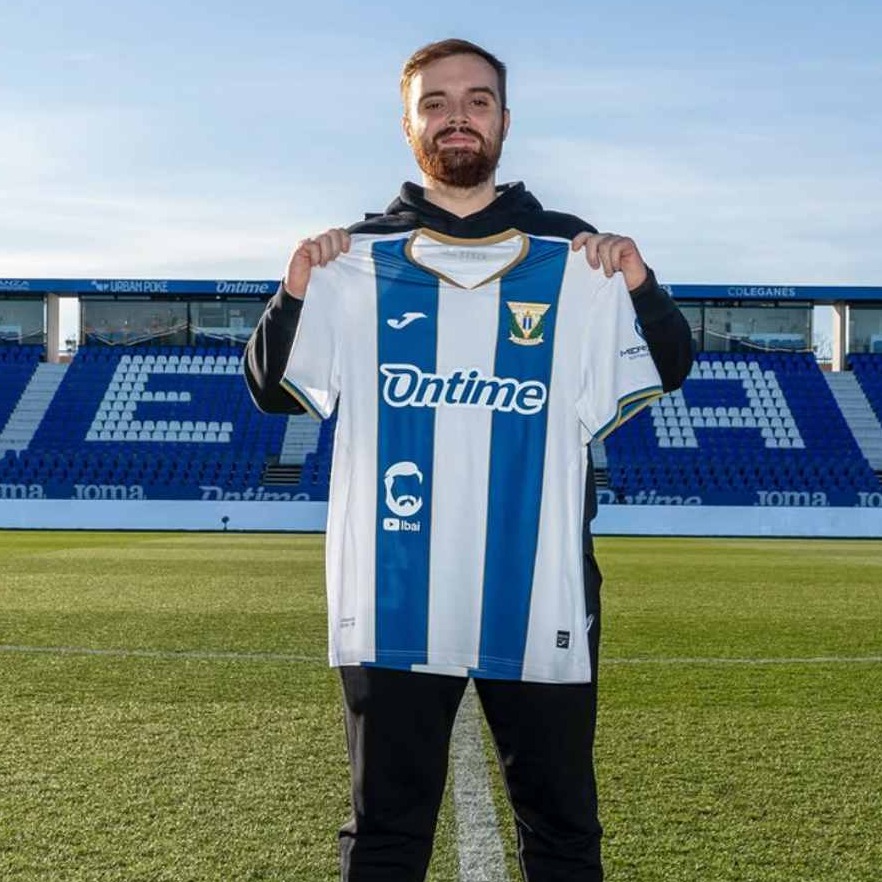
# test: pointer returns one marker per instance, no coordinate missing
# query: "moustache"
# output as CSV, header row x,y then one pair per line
x,y
458,130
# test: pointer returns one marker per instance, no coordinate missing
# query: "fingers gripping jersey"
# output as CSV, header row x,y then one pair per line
x,y
469,375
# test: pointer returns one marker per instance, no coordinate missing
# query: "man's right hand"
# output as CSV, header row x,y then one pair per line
x,y
318,251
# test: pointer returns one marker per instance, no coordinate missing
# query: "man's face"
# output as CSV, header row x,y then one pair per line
x,y
454,121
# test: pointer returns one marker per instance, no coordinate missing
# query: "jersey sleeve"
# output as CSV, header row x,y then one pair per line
x,y
619,377
312,374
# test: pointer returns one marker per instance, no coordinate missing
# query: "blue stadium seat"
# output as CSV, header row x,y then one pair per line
x,y
749,422
867,369
109,421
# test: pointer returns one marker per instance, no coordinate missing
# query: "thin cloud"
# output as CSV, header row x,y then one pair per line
x,y
139,233
767,219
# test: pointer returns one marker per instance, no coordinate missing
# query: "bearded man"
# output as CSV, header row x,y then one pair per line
x,y
399,710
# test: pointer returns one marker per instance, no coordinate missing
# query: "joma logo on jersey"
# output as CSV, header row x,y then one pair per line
x,y
526,322
405,385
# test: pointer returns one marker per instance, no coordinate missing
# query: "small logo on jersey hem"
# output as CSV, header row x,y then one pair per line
x,y
405,320
563,640
526,322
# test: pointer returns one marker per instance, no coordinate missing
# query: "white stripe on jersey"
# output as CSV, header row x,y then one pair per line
x,y
454,605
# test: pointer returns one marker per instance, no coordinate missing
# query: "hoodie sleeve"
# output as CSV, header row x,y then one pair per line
x,y
666,332
266,354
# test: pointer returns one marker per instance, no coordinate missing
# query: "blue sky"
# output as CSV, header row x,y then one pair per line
x,y
737,143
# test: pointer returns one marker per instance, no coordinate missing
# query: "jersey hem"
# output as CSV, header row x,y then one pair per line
x,y
420,666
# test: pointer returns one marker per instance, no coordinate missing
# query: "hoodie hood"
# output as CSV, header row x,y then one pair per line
x,y
514,206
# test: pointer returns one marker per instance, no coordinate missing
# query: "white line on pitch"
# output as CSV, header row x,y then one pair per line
x,y
233,655
198,654
481,858
723,660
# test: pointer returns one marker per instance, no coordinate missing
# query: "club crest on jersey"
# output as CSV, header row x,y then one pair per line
x,y
526,322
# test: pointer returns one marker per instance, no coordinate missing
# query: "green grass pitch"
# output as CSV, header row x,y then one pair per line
x,y
166,711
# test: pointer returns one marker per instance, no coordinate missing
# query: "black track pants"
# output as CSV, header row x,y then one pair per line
x,y
398,727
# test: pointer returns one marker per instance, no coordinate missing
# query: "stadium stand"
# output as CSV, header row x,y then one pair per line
x,y
743,426
867,368
158,422
17,366
167,422
317,465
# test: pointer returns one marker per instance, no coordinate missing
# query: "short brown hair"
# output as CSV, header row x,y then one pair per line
x,y
444,49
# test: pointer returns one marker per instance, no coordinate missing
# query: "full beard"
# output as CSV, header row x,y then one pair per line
x,y
458,167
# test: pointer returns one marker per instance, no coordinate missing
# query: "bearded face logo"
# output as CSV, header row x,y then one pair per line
x,y
403,482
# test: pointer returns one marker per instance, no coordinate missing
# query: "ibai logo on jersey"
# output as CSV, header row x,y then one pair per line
x,y
526,322
403,482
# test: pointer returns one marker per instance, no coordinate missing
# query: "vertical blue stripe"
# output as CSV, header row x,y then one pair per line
x,y
404,435
517,458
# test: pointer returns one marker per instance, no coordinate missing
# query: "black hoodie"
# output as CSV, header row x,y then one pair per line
x,y
664,327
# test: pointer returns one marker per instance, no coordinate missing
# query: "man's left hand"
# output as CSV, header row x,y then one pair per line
x,y
614,253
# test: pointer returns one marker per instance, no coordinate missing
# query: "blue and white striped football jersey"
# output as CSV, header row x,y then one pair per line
x,y
468,377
